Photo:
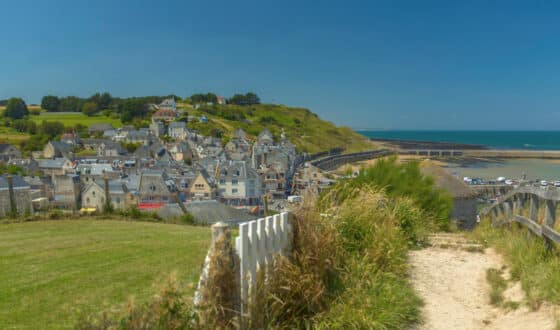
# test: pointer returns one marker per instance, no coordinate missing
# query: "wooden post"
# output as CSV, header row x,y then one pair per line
x,y
549,218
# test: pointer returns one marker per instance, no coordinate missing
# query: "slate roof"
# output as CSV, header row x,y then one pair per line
x,y
52,163
18,182
4,147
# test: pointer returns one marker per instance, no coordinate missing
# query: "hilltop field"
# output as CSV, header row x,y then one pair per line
x,y
54,272
304,128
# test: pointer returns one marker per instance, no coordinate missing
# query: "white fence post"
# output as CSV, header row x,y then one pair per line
x,y
256,246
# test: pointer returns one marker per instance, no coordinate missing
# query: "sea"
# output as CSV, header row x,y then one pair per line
x,y
531,169
519,140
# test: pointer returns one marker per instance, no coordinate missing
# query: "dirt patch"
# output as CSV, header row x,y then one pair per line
x,y
453,284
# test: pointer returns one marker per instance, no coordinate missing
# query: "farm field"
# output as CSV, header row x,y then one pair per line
x,y
53,272
70,119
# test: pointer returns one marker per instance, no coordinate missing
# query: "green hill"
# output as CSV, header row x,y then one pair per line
x,y
303,127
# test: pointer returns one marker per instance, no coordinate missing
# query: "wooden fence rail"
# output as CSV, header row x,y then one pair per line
x,y
509,208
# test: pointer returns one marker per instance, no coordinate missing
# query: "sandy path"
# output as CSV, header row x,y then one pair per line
x,y
456,294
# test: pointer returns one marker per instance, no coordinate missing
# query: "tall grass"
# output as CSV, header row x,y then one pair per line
x,y
537,269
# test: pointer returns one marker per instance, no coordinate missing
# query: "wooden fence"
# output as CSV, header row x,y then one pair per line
x,y
510,206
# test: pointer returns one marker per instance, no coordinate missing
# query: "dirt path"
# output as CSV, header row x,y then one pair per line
x,y
453,284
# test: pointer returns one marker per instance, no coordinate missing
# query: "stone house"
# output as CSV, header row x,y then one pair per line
x,y
8,151
155,187
19,194
168,104
274,182
57,149
54,167
157,128
239,184
67,191
268,153
180,152
202,187
164,115
110,149
94,196
177,130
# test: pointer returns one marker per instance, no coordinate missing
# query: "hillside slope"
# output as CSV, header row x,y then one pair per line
x,y
303,127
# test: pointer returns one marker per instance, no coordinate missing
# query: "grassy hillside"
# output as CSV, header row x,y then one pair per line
x,y
71,119
303,127
54,271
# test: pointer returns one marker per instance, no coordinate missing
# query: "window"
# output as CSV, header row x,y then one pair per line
x,y
152,188
93,193
118,200
199,186
87,200
234,182
234,191
222,181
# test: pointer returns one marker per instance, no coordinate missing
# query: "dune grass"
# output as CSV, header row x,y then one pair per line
x,y
537,269
54,272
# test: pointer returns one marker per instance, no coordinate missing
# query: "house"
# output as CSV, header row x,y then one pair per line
x,y
181,152
57,149
239,184
268,153
238,148
94,196
96,172
221,100
202,187
8,151
156,189
71,138
67,191
177,130
57,166
110,149
16,193
98,129
157,128
164,115
168,104
274,182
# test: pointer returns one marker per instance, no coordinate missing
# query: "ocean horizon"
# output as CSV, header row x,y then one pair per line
x,y
499,139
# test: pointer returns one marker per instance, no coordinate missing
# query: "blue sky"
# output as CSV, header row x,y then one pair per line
x,y
365,64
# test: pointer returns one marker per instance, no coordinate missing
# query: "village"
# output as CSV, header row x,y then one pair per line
x,y
172,168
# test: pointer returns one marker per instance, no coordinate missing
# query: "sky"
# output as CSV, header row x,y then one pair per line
x,y
456,65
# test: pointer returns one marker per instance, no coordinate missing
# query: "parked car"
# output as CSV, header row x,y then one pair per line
x,y
544,183
557,183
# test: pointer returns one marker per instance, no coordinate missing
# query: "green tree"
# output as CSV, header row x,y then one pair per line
x,y
89,108
51,128
50,103
132,109
70,104
16,108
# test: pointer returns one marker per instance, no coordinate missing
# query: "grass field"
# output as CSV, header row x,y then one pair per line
x,y
53,272
71,119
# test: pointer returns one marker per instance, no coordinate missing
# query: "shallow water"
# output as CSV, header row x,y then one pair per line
x,y
532,169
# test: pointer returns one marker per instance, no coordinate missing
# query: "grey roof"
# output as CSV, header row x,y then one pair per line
x,y
61,147
18,182
4,147
237,169
178,124
52,163
210,212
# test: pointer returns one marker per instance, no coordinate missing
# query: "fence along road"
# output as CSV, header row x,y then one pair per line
x,y
508,210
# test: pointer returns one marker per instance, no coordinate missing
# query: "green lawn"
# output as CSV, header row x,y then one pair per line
x,y
71,119
52,272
